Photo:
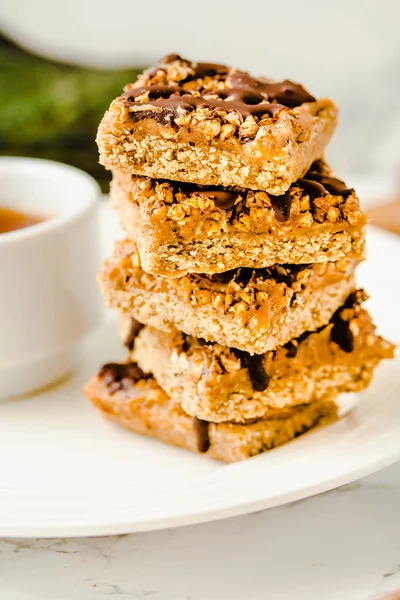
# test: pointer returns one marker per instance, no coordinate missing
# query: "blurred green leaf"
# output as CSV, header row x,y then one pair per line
x,y
52,110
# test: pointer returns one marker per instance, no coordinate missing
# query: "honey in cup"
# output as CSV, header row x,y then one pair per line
x,y
11,220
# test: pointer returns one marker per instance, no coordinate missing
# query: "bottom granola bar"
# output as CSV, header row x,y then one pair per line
x,y
133,399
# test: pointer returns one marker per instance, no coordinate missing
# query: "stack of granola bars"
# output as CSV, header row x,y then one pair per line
x,y
236,288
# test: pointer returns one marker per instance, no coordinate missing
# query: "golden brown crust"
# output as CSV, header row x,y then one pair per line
x,y
212,382
184,229
252,310
145,408
209,145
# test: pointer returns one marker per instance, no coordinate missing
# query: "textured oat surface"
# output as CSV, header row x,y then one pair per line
x,y
252,310
214,383
183,228
143,407
183,122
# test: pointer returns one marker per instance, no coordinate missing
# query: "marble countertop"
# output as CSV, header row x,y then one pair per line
x,y
342,545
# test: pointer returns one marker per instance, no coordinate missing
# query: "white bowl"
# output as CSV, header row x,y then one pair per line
x,y
48,293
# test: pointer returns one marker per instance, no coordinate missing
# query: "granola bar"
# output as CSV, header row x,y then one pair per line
x,y
186,228
254,310
216,383
214,125
133,399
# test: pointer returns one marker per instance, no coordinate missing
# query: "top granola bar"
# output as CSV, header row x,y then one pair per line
x,y
214,125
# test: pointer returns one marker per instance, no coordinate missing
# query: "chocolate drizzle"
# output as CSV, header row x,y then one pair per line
x,y
224,199
242,92
253,91
225,277
311,187
282,205
341,333
119,376
135,328
177,97
255,367
203,70
200,70
185,342
202,435
316,183
286,274
292,347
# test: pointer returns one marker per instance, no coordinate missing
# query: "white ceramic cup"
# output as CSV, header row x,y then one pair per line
x,y
48,292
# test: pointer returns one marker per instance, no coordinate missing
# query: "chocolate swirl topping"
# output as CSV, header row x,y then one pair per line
x,y
242,92
136,327
119,376
202,434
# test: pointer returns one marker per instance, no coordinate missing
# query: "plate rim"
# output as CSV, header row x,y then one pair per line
x,y
195,518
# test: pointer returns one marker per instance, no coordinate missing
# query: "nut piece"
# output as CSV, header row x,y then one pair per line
x,y
227,131
176,212
210,128
333,214
249,128
234,118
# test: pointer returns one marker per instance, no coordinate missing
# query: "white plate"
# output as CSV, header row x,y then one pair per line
x,y
64,471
